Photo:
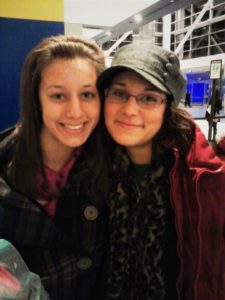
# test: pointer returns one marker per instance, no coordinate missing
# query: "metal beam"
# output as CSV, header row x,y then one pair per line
x,y
216,44
117,43
199,25
151,13
197,41
197,20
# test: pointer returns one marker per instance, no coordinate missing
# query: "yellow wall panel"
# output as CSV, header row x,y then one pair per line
x,y
43,10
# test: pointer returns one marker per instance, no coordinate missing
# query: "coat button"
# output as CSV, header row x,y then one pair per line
x,y
84,263
91,213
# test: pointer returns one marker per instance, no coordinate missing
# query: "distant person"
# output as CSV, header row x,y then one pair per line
x,y
216,113
187,101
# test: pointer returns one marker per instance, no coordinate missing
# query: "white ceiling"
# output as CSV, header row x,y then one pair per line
x,y
96,16
102,13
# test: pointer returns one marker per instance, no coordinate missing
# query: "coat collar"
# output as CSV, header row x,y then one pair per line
x,y
202,154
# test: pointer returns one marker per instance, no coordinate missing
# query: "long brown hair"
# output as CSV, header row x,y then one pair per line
x,y
27,155
177,130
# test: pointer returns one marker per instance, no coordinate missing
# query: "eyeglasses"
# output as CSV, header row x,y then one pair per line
x,y
147,100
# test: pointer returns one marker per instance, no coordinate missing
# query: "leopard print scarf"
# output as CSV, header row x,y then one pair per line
x,y
137,227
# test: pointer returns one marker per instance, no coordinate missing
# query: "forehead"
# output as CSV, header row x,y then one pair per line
x,y
68,69
74,62
131,77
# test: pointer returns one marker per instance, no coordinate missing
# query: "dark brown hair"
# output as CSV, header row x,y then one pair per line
x,y
177,130
27,155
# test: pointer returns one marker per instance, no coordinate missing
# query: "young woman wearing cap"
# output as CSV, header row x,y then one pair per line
x,y
51,165
167,199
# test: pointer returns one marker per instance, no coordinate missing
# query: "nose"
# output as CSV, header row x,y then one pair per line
x,y
130,107
74,107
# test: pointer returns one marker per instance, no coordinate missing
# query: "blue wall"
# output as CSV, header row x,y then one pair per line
x,y
18,37
198,85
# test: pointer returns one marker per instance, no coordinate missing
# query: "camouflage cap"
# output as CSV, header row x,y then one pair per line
x,y
158,66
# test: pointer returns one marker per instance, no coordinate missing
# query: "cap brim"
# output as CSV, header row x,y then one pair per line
x,y
106,76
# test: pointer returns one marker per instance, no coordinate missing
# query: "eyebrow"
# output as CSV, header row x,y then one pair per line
x,y
118,83
54,86
61,86
147,88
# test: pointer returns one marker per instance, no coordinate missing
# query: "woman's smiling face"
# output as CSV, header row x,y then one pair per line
x,y
130,123
69,101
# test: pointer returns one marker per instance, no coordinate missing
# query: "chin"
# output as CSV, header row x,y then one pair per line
x,y
74,144
124,142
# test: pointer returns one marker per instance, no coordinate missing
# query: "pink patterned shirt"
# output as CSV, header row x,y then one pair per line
x,y
56,182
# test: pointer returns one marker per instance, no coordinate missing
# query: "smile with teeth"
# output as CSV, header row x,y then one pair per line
x,y
74,127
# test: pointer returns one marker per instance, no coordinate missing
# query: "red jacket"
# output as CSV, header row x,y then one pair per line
x,y
220,148
198,199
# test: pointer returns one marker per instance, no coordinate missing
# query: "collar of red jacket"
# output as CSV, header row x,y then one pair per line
x,y
202,154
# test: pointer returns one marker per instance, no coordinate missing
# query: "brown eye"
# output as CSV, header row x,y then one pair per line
x,y
58,96
148,98
88,95
118,94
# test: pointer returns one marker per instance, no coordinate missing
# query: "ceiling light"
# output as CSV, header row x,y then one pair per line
x,y
138,18
108,33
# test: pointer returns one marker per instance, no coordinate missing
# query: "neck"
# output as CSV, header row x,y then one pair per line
x,y
55,161
140,155
55,155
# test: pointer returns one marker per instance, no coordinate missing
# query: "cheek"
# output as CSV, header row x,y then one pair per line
x,y
94,110
161,119
156,118
47,120
50,115
109,112
44,106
